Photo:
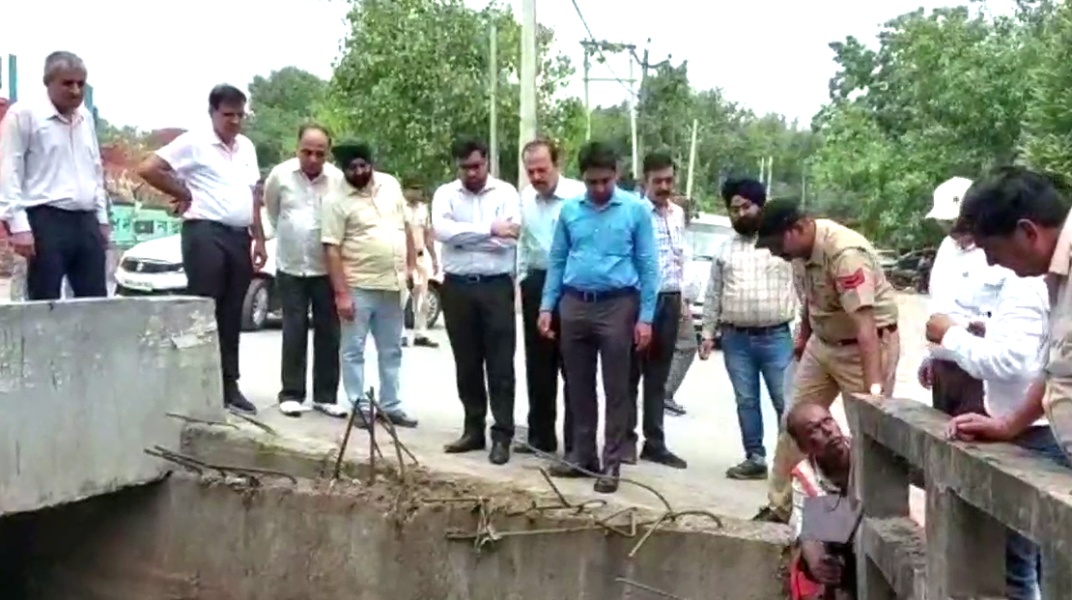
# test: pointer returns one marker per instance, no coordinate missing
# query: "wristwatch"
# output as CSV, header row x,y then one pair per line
x,y
875,389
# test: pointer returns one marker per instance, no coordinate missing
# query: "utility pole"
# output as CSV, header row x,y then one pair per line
x,y
633,123
599,49
692,158
770,169
493,96
527,129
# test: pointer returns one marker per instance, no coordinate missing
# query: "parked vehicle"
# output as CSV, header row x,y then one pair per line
x,y
704,235
911,270
154,268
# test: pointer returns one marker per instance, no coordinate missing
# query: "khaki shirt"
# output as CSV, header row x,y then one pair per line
x,y
419,222
1057,400
369,226
842,276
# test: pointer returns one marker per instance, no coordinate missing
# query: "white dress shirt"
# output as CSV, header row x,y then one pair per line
x,y
539,216
220,178
462,223
46,158
293,203
956,282
1009,357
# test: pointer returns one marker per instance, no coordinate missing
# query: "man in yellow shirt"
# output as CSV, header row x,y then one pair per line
x,y
368,252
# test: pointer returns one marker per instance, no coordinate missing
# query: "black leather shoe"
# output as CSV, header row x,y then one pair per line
x,y
663,457
629,457
466,443
236,401
564,470
608,482
673,408
500,453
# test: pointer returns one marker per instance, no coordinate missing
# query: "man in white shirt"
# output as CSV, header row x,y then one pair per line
x,y
420,230
52,196
477,218
211,175
1008,358
540,203
957,289
293,195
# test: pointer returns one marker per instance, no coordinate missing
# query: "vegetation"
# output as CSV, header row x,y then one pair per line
x,y
940,93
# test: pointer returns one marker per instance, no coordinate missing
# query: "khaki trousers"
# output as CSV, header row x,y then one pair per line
x,y
825,370
420,294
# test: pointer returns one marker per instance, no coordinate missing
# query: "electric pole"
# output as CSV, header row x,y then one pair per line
x,y
493,93
527,129
633,122
692,158
600,49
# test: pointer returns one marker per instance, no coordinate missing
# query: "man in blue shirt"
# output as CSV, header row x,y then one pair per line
x,y
603,278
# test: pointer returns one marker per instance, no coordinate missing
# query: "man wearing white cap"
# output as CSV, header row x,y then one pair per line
x,y
959,287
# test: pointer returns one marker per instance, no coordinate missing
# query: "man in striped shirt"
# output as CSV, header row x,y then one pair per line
x,y
751,299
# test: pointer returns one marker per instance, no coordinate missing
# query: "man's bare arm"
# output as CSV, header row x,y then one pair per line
x,y
429,244
411,248
257,229
333,260
867,338
157,173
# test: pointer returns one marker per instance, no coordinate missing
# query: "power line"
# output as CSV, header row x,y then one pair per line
x,y
599,50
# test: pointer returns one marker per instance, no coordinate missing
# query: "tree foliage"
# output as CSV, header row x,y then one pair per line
x,y
281,103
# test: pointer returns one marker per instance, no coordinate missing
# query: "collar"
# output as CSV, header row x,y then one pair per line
x,y
370,189
77,117
1061,263
489,185
822,230
294,165
671,207
615,198
216,141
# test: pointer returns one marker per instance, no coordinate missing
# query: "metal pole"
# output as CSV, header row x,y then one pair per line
x,y
692,158
527,129
493,92
633,121
587,102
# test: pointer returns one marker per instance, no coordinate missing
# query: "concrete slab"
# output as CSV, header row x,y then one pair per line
x,y
84,388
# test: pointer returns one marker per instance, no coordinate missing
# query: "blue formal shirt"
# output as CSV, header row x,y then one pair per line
x,y
598,249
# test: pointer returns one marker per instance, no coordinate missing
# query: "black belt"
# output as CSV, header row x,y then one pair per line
x,y
460,278
674,294
853,341
601,295
763,330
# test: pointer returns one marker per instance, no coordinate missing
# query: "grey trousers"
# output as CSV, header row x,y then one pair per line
x,y
684,355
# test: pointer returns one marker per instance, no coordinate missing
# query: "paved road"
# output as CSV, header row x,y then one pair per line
x,y
708,436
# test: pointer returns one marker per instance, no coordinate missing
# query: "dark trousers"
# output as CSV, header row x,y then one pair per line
x,y
297,296
954,391
218,265
599,328
481,327
653,366
66,243
543,363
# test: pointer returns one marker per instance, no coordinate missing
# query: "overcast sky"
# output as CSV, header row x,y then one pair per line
x,y
152,63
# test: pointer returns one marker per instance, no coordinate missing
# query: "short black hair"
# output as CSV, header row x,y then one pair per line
x,y
314,127
778,217
466,145
542,142
994,204
745,187
657,161
225,93
597,155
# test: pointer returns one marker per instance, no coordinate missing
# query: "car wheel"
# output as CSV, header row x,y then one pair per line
x,y
255,306
434,307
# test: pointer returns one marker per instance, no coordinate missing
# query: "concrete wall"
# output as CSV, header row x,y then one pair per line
x,y
84,388
191,539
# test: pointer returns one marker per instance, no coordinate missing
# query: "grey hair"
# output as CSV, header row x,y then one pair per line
x,y
62,60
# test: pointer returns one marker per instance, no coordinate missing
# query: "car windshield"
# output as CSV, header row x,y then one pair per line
x,y
705,238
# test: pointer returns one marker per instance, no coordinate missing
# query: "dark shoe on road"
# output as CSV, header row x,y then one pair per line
x,y
629,455
237,402
400,419
770,515
608,482
424,342
568,471
663,456
500,453
673,408
750,468
466,443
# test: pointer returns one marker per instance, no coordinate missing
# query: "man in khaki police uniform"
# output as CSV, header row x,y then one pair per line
x,y
848,341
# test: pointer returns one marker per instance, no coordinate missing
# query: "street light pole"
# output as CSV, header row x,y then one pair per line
x,y
527,129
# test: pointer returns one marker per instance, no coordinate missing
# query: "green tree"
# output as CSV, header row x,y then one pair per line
x,y
1048,123
414,75
281,103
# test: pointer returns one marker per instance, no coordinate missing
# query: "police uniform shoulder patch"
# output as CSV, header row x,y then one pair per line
x,y
852,280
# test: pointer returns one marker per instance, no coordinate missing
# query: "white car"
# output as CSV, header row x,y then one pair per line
x,y
154,268
704,235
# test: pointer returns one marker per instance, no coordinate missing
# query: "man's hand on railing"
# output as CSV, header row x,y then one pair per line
x,y
973,427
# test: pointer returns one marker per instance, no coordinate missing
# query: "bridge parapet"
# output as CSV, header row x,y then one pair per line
x,y
976,493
